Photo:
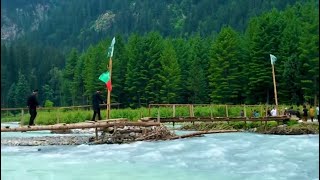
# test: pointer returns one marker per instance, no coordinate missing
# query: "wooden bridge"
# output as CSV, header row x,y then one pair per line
x,y
144,122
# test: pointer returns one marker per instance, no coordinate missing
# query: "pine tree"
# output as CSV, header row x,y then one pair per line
x,y
290,66
22,91
152,53
57,83
170,75
181,47
136,76
12,97
196,82
264,37
225,68
69,74
309,52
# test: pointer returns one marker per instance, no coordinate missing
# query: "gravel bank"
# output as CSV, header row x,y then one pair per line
x,y
45,140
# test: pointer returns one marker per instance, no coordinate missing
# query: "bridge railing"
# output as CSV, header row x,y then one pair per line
x,y
58,110
247,109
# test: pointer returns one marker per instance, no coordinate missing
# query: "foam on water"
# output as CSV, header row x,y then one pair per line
x,y
234,156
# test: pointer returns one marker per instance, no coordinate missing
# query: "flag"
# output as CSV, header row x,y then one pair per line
x,y
109,85
105,77
111,48
273,59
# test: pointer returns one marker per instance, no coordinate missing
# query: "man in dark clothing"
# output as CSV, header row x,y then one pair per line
x,y
305,113
32,104
298,113
96,100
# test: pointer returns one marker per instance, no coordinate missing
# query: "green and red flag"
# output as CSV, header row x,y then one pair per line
x,y
105,77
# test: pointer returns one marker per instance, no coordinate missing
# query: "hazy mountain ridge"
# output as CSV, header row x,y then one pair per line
x,y
79,23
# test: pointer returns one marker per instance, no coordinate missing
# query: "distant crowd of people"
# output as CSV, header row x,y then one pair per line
x,y
312,113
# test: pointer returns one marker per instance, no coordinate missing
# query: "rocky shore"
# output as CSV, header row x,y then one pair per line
x,y
110,135
45,140
297,129
292,128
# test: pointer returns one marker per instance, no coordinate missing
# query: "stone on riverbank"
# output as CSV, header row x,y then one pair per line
x,y
297,129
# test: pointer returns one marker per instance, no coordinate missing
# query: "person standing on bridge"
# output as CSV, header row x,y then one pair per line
x,y
311,113
32,104
305,113
96,100
274,112
317,110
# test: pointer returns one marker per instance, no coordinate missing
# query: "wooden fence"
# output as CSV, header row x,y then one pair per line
x,y
262,108
58,109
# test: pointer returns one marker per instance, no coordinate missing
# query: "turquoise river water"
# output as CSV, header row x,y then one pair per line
x,y
231,156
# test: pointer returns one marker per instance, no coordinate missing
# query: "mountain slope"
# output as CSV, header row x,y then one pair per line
x,y
78,23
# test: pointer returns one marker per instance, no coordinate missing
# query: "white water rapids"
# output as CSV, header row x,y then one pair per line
x,y
230,156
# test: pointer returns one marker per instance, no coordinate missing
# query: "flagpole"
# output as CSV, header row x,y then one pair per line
x,y
275,87
109,92
109,89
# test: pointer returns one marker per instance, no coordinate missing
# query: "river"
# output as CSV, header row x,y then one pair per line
x,y
230,156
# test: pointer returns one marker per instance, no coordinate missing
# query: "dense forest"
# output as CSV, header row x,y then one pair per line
x,y
217,53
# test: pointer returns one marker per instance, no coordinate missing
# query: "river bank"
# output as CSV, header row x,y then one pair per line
x,y
290,128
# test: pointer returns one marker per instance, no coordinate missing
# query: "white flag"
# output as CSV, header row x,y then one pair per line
x,y
111,48
112,45
273,59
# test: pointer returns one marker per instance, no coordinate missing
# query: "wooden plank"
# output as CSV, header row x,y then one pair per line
x,y
77,126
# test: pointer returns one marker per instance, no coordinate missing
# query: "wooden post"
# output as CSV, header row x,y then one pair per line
x,y
261,110
174,110
109,92
275,89
227,114
158,117
149,110
58,116
22,113
190,110
244,111
211,113
96,134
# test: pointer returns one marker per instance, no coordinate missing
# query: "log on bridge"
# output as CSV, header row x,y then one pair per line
x,y
78,126
202,133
